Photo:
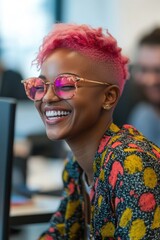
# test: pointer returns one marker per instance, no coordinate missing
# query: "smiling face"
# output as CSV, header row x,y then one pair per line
x,y
65,119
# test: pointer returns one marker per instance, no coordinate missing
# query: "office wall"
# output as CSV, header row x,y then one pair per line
x,y
24,25
127,20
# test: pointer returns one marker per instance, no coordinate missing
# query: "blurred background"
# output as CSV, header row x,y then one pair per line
x,y
23,24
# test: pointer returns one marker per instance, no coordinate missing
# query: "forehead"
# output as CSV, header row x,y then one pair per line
x,y
68,61
149,55
65,60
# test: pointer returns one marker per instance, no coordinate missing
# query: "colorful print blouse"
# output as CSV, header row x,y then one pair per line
x,y
125,199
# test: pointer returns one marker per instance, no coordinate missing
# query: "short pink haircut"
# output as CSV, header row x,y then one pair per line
x,y
88,41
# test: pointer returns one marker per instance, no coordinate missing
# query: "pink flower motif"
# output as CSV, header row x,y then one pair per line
x,y
96,183
132,192
156,153
132,145
116,169
121,183
49,238
51,229
107,159
116,144
127,126
91,195
147,202
71,187
103,143
122,199
58,214
118,200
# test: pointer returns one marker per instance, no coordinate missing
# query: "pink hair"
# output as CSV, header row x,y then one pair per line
x,y
88,41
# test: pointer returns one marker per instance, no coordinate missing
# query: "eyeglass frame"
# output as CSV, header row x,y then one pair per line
x,y
76,80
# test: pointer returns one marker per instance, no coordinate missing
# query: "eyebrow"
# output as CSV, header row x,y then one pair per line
x,y
66,73
42,77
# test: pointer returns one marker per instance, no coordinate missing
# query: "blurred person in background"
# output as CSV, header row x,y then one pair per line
x,y
9,82
11,87
131,96
111,179
146,72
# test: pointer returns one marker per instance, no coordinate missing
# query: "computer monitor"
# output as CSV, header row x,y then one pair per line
x,y
7,117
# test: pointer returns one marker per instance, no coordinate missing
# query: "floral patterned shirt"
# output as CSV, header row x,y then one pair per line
x,y
125,198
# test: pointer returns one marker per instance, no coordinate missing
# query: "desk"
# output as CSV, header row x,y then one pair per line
x,y
39,210
43,174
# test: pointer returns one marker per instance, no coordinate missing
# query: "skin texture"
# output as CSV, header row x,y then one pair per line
x,y
88,119
149,57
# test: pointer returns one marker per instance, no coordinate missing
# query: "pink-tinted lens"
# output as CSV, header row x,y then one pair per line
x,y
65,87
35,89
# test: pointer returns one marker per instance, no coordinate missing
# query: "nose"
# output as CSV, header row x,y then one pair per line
x,y
50,95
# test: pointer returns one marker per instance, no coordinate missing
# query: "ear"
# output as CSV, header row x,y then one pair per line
x,y
111,96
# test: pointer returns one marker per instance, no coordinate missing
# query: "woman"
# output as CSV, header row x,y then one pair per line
x,y
111,186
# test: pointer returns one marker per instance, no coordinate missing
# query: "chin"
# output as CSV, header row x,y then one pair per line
x,y
56,134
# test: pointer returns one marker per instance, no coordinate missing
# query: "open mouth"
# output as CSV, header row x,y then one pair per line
x,y
54,114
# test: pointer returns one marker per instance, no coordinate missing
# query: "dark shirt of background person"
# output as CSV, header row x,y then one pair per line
x,y
130,97
10,84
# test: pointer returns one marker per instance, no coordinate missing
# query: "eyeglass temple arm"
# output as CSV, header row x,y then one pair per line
x,y
87,80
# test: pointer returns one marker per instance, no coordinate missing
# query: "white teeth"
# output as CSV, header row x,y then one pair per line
x,y
57,113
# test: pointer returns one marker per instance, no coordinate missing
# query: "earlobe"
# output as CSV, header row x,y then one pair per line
x,y
112,94
107,107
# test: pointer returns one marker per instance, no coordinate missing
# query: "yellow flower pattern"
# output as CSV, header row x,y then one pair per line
x,y
156,219
108,230
138,230
133,164
100,200
71,208
125,198
150,177
126,217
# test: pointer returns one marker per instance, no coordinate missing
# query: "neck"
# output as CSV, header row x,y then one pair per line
x,y
85,145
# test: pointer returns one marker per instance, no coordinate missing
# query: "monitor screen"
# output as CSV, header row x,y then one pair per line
x,y
7,117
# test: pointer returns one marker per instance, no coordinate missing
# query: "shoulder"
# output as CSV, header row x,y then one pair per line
x,y
124,143
130,139
130,150
130,161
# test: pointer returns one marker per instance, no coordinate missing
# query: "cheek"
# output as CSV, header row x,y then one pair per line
x,y
87,108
